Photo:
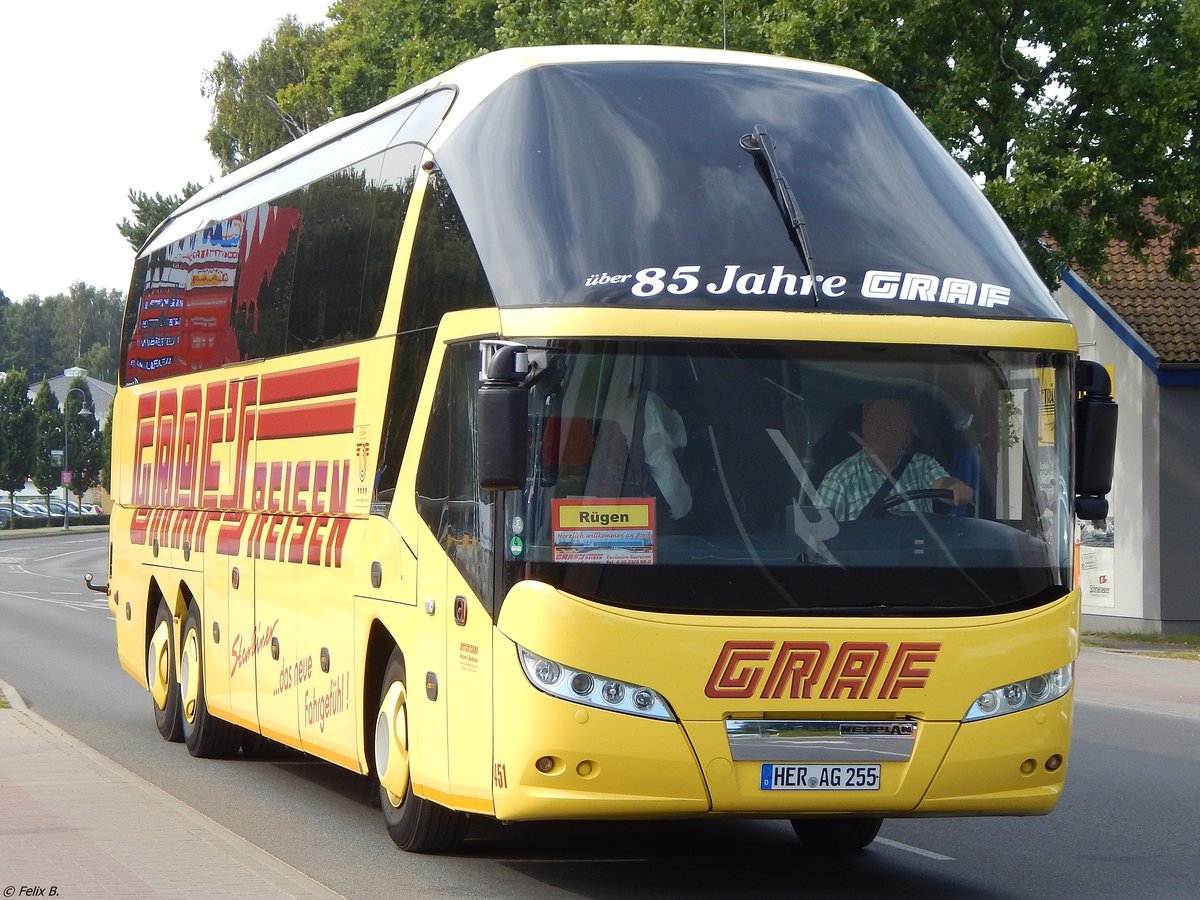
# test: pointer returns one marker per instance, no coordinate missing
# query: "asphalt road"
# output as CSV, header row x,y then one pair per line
x,y
1126,827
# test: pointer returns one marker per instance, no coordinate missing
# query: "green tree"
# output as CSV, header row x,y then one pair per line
x,y
252,114
48,439
302,76
378,48
83,454
80,327
16,433
100,361
5,312
148,211
106,451
29,336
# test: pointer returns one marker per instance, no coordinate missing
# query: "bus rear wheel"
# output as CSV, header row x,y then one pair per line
x,y
836,835
160,676
414,823
206,736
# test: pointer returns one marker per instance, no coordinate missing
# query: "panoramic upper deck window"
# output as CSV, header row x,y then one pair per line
x,y
641,184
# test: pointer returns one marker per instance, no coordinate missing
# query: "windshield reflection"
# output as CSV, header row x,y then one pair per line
x,y
799,477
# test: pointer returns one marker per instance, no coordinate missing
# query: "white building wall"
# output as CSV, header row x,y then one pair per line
x,y
1134,603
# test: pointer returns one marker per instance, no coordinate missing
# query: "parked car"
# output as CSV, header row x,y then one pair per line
x,y
29,510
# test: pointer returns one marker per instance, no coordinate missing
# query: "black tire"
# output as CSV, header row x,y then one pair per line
x,y
206,736
414,823
836,835
167,717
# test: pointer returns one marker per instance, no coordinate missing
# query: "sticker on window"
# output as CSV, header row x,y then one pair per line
x,y
617,532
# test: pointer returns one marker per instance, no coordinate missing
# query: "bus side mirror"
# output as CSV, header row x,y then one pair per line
x,y
502,419
1095,440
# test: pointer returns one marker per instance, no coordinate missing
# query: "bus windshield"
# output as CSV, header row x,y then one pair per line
x,y
737,477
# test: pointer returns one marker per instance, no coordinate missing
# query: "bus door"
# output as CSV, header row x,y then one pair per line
x,y
325,656
468,684
272,635
455,569
230,573
454,657
215,612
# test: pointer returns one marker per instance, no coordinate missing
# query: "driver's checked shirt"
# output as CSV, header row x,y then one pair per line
x,y
849,486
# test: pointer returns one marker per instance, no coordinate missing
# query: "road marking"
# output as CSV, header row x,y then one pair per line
x,y
908,848
68,553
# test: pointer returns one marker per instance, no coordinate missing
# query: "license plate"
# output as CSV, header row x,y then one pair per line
x,y
797,777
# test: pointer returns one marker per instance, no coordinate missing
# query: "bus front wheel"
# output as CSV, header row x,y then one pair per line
x,y
836,835
414,823
160,676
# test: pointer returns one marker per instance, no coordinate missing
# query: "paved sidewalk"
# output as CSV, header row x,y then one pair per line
x,y
1138,680
77,825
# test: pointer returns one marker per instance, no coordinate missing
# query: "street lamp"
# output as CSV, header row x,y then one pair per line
x,y
66,461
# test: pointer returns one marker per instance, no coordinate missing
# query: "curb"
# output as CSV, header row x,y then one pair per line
x,y
50,531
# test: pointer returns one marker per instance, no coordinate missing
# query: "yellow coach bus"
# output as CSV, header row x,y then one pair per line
x,y
611,433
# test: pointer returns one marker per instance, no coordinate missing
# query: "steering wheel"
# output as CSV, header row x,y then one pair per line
x,y
908,496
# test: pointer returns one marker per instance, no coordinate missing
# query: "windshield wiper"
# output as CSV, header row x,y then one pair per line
x,y
759,143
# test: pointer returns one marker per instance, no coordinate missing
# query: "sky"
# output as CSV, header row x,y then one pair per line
x,y
97,98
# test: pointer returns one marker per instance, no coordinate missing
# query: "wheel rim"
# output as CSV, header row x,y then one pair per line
x,y
189,675
391,744
158,665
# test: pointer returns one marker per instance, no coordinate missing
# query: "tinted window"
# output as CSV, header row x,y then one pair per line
x,y
445,274
309,269
408,373
347,249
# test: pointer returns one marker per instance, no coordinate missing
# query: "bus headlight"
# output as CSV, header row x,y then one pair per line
x,y
1019,695
593,690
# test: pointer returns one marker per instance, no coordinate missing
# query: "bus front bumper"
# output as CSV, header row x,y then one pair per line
x,y
582,763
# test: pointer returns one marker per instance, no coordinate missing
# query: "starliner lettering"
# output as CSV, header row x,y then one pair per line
x,y
242,652
803,670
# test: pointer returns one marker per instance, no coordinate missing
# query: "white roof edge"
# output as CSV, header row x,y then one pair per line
x,y
528,57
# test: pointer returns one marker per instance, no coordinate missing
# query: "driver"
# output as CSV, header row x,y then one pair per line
x,y
886,458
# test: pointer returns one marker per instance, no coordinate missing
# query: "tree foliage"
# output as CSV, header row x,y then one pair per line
x,y
83,455
46,472
45,336
251,114
148,211
16,433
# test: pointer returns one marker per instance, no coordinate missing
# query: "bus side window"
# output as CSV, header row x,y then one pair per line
x,y
352,223
448,494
